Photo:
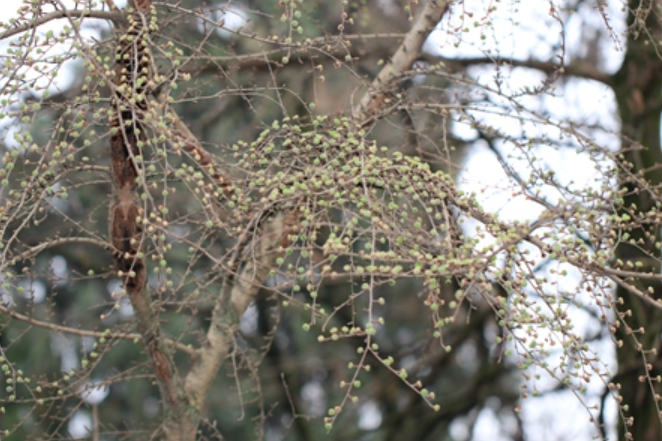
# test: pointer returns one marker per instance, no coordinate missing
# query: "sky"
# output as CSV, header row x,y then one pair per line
x,y
557,415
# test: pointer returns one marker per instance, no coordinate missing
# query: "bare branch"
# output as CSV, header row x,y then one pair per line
x,y
579,69
403,59
655,304
261,61
116,17
125,232
195,148
237,293
85,333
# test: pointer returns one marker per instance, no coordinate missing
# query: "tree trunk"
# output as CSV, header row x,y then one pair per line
x,y
637,86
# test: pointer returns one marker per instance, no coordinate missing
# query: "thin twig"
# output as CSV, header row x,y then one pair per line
x,y
116,17
84,333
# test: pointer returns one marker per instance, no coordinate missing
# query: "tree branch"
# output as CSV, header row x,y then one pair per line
x,y
84,333
261,61
238,292
579,69
125,234
116,17
402,60
333,47
189,142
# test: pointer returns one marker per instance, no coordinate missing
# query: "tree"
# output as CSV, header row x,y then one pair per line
x,y
249,221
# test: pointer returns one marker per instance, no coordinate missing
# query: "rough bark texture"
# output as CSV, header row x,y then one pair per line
x,y
129,104
637,86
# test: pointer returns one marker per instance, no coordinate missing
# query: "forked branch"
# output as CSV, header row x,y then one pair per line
x,y
402,60
239,290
